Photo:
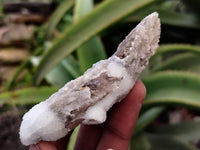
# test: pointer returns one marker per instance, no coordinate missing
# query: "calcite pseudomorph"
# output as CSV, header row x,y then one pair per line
x,y
88,98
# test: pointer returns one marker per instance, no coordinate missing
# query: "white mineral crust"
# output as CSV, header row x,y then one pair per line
x,y
88,98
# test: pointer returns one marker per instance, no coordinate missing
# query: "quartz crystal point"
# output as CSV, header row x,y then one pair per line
x,y
88,98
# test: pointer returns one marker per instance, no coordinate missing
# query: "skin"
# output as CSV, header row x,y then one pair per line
x,y
114,134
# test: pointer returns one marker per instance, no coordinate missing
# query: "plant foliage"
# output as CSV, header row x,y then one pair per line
x,y
82,32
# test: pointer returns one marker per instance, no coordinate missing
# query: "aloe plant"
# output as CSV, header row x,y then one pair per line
x,y
172,78
91,51
56,17
93,23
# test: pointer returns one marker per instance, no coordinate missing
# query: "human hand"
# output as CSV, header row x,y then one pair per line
x,y
114,134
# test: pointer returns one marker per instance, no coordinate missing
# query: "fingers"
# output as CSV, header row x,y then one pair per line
x,y
88,137
61,144
43,145
114,134
122,120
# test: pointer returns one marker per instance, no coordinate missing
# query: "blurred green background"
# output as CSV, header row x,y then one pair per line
x,y
44,44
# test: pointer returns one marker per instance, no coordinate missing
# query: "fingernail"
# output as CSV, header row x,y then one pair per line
x,y
34,147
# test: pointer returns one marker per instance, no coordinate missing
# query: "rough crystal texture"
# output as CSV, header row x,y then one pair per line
x,y
89,97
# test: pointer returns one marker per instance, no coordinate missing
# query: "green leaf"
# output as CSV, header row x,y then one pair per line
x,y
167,16
28,96
163,49
72,139
58,76
172,88
167,142
171,56
99,18
186,131
72,66
65,71
185,61
91,51
175,137
82,8
11,82
146,118
23,66
140,142
1,8
65,22
57,15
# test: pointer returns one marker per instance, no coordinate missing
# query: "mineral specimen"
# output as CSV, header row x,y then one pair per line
x,y
88,98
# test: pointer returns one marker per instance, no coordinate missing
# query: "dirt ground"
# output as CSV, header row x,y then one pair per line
x,y
9,131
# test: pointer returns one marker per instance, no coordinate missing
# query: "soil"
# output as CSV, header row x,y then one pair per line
x,y
9,133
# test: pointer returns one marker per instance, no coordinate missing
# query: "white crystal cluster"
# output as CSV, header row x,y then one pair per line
x,y
88,98
97,114
42,123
